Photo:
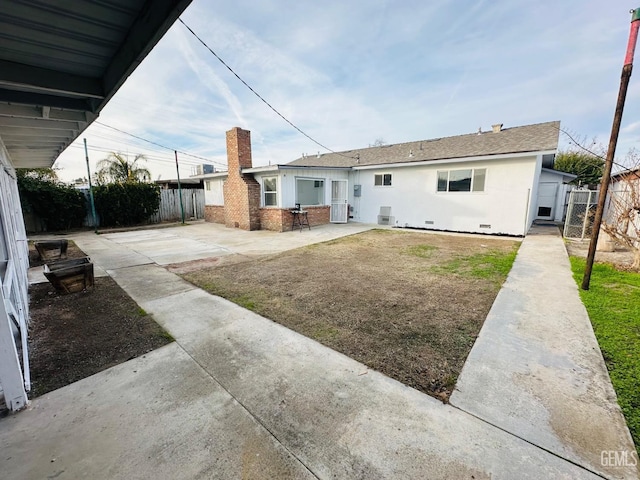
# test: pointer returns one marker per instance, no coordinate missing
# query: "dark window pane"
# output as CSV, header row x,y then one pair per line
x,y
377,180
460,181
270,199
270,184
386,179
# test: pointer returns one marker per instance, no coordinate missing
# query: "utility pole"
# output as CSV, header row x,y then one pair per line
x,y
93,203
179,187
615,130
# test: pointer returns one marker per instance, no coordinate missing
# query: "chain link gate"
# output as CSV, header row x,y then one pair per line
x,y
580,213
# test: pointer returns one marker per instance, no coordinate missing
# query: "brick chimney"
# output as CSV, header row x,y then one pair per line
x,y
241,191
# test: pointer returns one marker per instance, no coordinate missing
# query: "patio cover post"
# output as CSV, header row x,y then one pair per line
x,y
93,203
11,378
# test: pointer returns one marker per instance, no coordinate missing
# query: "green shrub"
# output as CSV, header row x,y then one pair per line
x,y
123,204
59,206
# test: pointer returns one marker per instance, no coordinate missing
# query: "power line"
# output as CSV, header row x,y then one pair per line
x,y
150,157
158,144
257,94
579,145
137,145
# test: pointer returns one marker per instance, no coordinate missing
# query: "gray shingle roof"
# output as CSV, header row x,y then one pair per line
x,y
528,138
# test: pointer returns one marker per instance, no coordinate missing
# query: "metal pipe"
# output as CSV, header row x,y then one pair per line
x,y
179,187
93,203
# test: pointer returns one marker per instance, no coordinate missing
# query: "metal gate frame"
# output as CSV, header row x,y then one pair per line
x,y
577,223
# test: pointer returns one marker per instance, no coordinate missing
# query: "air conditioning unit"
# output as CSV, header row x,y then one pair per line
x,y
385,218
204,169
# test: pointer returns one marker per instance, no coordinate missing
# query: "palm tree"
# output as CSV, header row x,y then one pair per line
x,y
117,168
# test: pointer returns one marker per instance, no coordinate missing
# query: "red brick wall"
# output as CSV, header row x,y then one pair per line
x,y
214,213
279,219
241,192
318,215
272,219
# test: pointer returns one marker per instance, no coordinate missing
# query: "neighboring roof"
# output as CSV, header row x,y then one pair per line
x,y
626,174
61,62
565,175
541,137
183,181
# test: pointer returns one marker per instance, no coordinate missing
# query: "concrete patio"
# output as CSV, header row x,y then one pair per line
x,y
239,396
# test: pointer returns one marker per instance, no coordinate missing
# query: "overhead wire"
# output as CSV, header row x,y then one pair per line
x,y
150,157
579,145
159,144
258,95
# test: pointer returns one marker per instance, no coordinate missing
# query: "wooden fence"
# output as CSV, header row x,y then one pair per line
x,y
169,211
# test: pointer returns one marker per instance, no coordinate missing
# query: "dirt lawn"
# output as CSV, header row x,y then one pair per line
x,y
77,335
408,304
621,258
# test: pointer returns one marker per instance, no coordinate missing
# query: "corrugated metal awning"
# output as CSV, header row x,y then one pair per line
x,y
60,63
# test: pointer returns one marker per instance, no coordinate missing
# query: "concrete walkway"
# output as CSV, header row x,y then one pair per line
x,y
238,396
536,369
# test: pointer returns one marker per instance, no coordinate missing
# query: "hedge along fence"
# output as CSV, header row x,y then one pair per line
x,y
55,205
169,209
125,204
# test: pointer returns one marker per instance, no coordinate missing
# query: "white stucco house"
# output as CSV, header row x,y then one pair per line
x,y
495,182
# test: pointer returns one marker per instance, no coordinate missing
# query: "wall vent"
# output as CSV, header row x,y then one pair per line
x,y
428,222
386,220
485,225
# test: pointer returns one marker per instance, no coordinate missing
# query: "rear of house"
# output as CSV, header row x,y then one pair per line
x,y
495,182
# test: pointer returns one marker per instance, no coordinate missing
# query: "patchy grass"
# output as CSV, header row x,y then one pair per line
x,y
393,300
421,251
492,264
613,303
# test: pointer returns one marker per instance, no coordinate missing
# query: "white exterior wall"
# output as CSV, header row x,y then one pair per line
x,y
533,197
414,199
213,194
287,182
623,191
561,193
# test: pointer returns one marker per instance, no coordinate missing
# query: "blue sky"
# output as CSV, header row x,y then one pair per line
x,y
349,73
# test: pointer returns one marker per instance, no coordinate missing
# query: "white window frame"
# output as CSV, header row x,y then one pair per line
x,y
382,178
473,180
207,185
270,192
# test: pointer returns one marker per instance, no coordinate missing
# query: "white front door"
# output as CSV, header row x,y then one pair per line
x,y
339,207
546,200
